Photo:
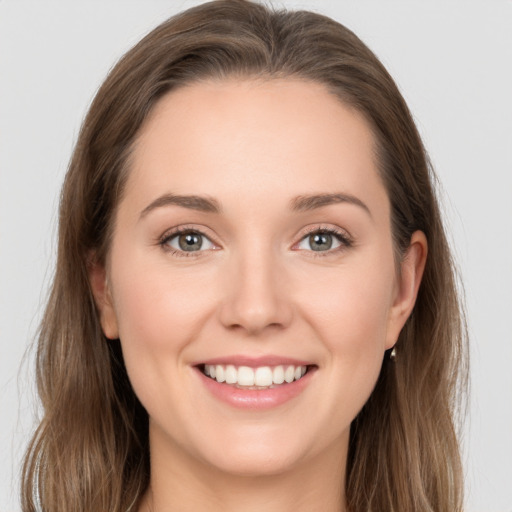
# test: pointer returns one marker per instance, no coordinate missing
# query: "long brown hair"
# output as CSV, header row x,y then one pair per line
x,y
90,452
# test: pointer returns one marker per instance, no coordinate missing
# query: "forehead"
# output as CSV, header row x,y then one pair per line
x,y
256,138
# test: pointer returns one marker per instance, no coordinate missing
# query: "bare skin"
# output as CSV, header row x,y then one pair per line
x,y
267,274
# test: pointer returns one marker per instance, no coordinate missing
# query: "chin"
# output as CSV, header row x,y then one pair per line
x,y
248,464
260,452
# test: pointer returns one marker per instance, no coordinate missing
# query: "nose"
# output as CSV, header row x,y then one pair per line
x,y
255,296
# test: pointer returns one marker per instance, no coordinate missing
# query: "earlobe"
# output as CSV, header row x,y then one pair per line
x,y
411,273
103,299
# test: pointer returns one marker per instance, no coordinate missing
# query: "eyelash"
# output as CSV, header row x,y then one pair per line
x,y
342,237
168,236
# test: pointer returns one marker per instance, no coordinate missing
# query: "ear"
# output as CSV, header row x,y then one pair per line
x,y
411,273
103,298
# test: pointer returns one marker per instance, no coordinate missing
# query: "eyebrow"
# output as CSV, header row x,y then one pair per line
x,y
208,204
312,202
199,203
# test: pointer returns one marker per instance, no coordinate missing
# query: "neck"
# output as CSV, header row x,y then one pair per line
x,y
185,485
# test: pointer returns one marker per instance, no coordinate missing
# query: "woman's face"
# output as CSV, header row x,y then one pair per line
x,y
253,237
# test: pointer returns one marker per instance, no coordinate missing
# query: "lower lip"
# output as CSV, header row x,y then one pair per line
x,y
256,398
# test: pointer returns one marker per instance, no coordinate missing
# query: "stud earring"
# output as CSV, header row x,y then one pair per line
x,y
392,355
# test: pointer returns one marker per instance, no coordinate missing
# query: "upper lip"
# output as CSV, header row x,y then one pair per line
x,y
254,362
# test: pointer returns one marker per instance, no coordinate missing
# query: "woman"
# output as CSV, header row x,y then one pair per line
x,y
254,304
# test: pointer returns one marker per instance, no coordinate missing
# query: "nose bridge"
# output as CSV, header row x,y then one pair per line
x,y
255,296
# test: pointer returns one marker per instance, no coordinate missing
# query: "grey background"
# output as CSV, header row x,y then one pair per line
x,y
452,61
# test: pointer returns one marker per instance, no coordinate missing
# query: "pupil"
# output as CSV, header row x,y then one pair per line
x,y
320,241
190,242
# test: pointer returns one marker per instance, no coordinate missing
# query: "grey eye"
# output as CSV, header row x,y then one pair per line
x,y
320,241
190,241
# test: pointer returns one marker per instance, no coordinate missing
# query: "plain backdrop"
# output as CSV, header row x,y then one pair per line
x,y
451,59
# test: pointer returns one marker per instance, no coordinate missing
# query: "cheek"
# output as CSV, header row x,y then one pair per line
x,y
154,304
158,314
351,318
351,306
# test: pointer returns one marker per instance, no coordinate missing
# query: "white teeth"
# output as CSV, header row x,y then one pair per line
x,y
231,374
219,373
245,376
289,374
278,375
262,377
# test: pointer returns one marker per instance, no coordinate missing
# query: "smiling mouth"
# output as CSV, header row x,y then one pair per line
x,y
262,377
